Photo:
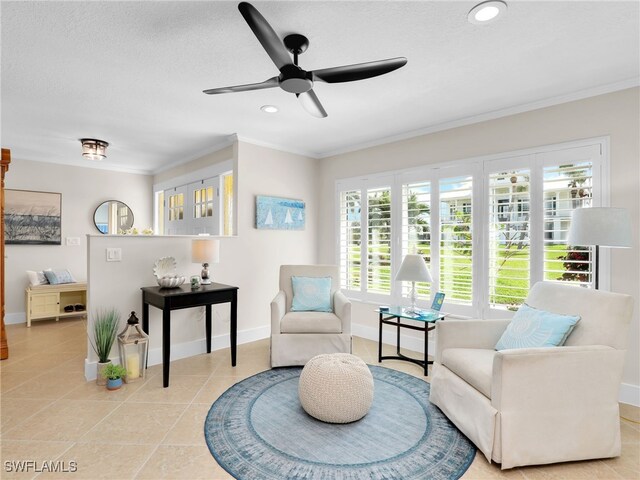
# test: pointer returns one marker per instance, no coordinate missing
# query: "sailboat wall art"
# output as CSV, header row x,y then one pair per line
x,y
275,213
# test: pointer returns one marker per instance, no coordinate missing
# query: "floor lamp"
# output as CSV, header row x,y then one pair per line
x,y
413,269
600,227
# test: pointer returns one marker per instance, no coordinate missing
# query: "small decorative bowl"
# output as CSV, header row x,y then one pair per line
x,y
170,281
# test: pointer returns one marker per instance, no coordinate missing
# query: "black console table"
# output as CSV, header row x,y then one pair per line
x,y
168,299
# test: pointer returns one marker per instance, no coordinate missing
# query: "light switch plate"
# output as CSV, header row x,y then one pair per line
x,y
73,241
114,254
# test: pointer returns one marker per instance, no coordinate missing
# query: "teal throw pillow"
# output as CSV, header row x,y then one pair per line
x,y
311,294
532,328
57,277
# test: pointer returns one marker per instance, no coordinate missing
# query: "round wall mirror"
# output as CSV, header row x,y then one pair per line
x,y
112,217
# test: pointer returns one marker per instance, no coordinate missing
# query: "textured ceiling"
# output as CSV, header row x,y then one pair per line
x,y
132,73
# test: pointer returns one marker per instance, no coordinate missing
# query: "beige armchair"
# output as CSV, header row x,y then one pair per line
x,y
537,405
296,337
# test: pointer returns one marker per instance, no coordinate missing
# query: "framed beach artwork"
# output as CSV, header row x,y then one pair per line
x,y
274,213
32,218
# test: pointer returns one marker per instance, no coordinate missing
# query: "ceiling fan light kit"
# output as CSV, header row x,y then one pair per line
x,y
292,78
94,149
487,12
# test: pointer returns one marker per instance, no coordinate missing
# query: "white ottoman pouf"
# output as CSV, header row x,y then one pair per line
x,y
336,388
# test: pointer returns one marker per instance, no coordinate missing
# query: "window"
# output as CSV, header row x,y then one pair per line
x,y
203,202
416,229
509,253
488,229
379,240
456,260
176,207
502,209
566,187
227,206
350,239
550,205
365,244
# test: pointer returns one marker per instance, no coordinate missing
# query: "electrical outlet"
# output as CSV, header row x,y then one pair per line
x,y
73,241
114,254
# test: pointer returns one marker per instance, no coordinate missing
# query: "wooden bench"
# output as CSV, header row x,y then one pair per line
x,y
48,301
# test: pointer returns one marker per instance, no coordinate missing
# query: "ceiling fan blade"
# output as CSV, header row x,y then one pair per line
x,y
311,104
266,35
272,82
359,71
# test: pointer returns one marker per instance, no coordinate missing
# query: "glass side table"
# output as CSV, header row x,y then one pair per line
x,y
425,322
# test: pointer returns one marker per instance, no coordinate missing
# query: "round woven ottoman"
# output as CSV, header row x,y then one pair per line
x,y
336,388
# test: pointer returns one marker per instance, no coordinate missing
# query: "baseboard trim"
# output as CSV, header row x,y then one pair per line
x,y
409,342
189,349
629,394
15,318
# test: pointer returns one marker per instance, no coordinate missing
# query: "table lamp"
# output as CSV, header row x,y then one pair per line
x,y
413,269
205,251
600,227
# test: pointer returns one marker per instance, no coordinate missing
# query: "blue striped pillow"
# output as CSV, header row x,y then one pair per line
x,y
57,277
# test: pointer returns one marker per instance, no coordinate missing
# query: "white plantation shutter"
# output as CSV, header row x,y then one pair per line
x,y
350,239
456,259
379,240
488,228
509,240
566,187
416,230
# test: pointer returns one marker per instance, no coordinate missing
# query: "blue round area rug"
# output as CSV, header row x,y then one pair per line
x,y
257,430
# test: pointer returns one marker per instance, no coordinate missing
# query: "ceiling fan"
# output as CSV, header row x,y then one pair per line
x,y
294,79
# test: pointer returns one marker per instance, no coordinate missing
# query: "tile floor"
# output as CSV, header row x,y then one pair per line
x,y
48,412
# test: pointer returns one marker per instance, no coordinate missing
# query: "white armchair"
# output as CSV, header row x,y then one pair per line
x,y
537,405
296,337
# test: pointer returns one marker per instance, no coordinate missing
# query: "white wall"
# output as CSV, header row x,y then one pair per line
x,y
615,114
83,189
117,285
249,261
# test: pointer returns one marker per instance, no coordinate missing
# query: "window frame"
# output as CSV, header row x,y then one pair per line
x,y
479,168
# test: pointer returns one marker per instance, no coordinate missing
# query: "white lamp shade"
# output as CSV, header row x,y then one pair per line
x,y
205,251
603,226
413,269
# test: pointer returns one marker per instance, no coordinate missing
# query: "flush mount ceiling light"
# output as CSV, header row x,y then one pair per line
x,y
269,109
94,149
487,12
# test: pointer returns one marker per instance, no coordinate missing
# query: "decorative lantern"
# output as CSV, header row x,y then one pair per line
x,y
133,344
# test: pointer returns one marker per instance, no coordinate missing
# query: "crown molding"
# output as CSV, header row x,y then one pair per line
x,y
275,146
95,165
505,112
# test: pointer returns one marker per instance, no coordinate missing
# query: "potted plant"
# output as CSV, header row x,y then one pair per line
x,y
105,329
113,375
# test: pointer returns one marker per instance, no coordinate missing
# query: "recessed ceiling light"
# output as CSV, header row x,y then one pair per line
x,y
269,109
487,12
